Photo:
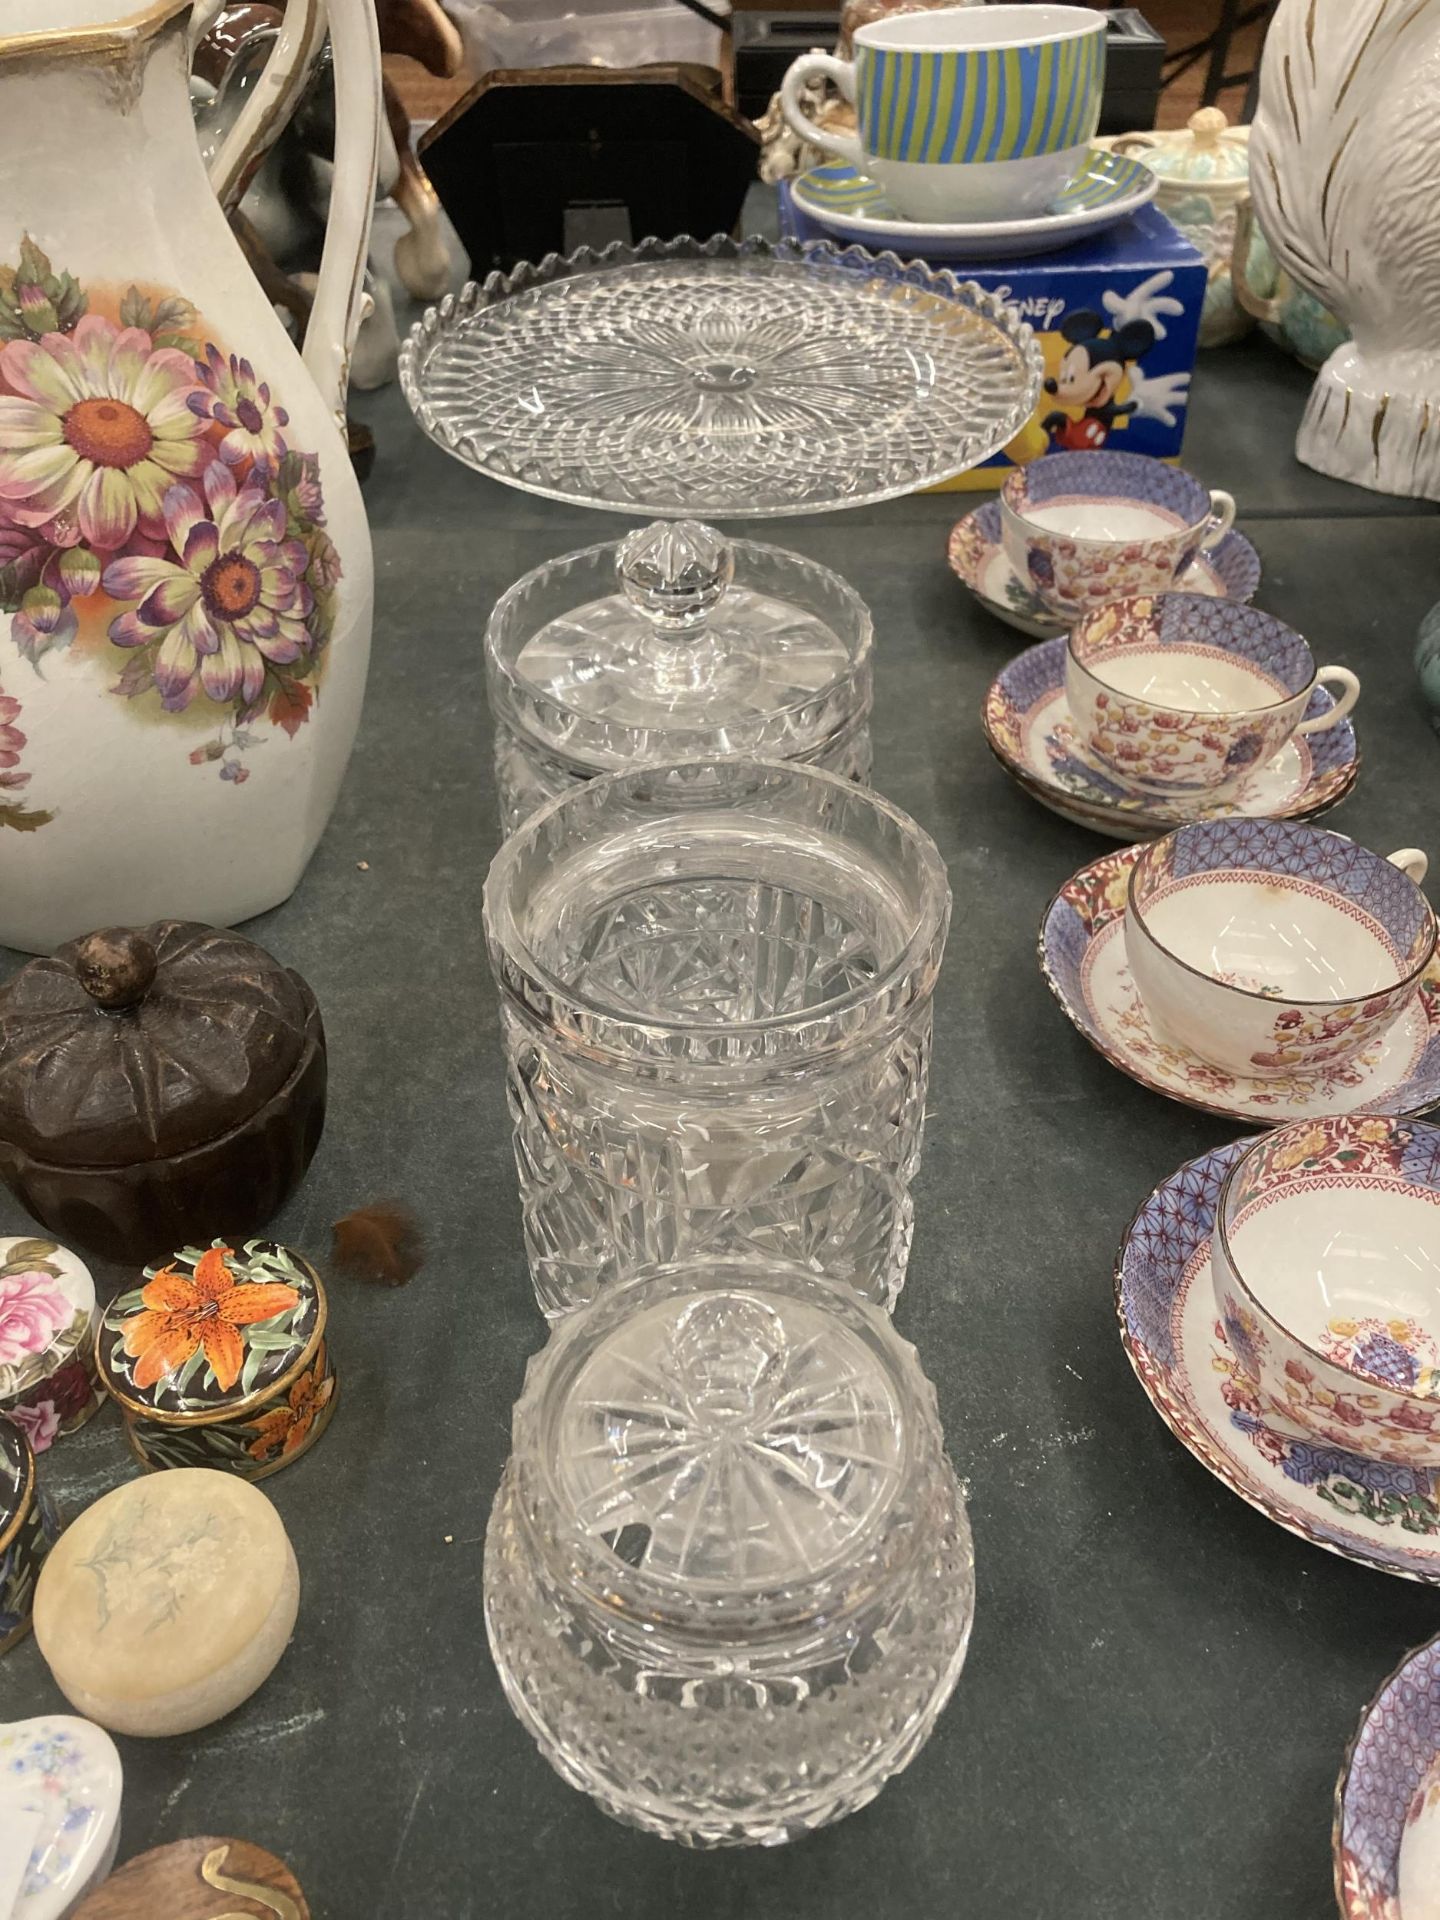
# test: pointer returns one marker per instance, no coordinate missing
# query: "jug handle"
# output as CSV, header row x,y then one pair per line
x,y
359,114
262,119
1248,298
340,287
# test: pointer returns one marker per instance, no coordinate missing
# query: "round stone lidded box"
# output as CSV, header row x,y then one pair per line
x,y
48,1319
157,1086
167,1603
220,1359
28,1528
674,644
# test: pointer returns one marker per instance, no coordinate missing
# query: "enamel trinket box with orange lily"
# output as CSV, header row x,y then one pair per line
x,y
220,1359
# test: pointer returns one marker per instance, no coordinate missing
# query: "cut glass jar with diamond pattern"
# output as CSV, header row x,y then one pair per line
x,y
674,644
729,1579
715,990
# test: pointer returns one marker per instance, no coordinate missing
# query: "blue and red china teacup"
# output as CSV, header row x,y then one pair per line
x,y
1081,529
1326,1265
1270,948
1181,693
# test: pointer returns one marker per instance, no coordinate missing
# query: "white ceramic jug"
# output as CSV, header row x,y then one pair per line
x,y
1345,174
185,568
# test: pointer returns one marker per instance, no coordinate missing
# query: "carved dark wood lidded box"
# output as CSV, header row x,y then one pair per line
x,y
158,1087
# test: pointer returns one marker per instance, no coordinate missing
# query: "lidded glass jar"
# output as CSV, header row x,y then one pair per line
x,y
674,644
729,1580
715,994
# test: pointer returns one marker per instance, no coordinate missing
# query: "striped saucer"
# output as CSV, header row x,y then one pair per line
x,y
1108,188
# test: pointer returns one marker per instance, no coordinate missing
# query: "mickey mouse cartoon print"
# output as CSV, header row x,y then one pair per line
x,y
1101,356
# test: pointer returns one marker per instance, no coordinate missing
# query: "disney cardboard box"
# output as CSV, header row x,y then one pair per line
x,y
1118,317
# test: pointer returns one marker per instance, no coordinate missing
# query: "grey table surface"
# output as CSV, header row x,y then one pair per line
x,y
1162,1683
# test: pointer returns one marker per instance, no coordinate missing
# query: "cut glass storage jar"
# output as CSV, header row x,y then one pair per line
x,y
674,644
715,991
729,1580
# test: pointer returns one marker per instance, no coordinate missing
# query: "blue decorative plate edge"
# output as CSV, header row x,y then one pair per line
x,y
1373,1881
1211,1169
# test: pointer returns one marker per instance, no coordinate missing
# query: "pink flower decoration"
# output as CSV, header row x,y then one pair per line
x,y
39,1423
231,396
98,426
11,741
1417,1419
33,1309
235,598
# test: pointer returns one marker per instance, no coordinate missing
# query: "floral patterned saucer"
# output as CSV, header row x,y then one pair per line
x,y
1028,726
1232,572
1082,956
1387,1801
60,1782
1386,1517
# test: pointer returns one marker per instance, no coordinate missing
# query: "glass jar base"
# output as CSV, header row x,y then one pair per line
x,y
677,1758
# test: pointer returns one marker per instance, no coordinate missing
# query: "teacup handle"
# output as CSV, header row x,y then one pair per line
x,y
1411,862
843,145
1350,686
1222,518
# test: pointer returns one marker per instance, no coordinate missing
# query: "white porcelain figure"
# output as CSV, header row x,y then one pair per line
x,y
185,569
1345,176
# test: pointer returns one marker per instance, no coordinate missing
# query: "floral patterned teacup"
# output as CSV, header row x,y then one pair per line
x,y
1326,1266
1083,529
1180,693
1271,948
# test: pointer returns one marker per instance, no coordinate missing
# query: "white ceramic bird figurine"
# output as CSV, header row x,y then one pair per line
x,y
1345,174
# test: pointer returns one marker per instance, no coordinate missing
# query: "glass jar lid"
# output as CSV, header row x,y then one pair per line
x,y
675,644
728,1442
1207,151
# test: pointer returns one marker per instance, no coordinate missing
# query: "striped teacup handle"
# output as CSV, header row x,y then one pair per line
x,y
842,72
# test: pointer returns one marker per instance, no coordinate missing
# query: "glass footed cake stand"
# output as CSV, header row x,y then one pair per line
x,y
674,644
721,378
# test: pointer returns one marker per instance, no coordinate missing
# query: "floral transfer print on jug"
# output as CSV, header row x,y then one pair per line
x,y
154,518
13,811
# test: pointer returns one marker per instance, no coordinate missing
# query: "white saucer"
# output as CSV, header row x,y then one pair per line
x,y
1082,955
977,555
1385,1517
1027,723
847,203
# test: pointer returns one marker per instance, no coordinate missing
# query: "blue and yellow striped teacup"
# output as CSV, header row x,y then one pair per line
x,y
966,112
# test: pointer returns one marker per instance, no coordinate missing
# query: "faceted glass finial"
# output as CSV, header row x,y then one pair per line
x,y
675,572
732,1437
